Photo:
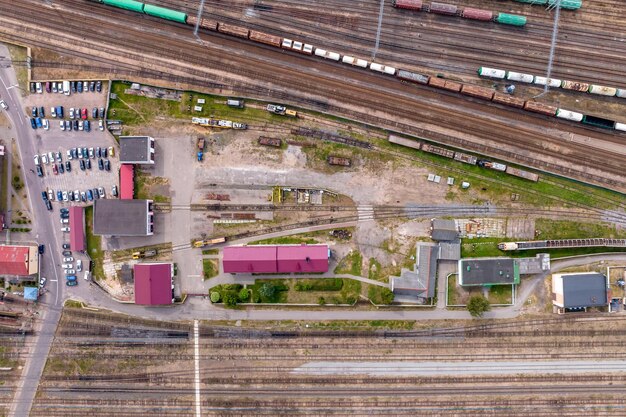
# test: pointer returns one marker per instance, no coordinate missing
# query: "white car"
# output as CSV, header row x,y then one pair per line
x,y
65,197
51,157
58,156
71,112
65,229
80,125
69,154
111,152
65,221
100,125
79,265
44,158
67,266
42,281
36,158
45,123
51,195
3,104
68,259
101,192
53,112
39,89
70,272
77,195
62,124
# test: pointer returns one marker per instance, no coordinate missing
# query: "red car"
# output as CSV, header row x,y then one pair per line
x,y
55,169
83,114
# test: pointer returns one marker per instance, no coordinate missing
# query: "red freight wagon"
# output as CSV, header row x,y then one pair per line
x,y
508,100
477,14
442,8
408,4
265,38
540,108
476,91
233,30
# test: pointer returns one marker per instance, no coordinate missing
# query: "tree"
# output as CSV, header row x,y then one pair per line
x,y
267,291
244,294
478,305
215,297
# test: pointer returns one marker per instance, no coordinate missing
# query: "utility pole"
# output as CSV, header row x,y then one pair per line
x,y
198,17
380,24
555,32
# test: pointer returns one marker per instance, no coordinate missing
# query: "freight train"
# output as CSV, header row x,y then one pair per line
x,y
466,13
462,157
566,85
403,75
565,4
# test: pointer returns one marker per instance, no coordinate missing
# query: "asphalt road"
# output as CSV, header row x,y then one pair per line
x,y
51,301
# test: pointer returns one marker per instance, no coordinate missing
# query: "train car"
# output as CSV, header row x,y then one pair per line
x,y
572,85
412,77
265,38
477,14
131,5
569,115
443,8
510,19
452,86
287,43
214,241
382,68
233,30
267,141
552,82
409,143
447,153
333,56
465,158
567,4
540,108
519,77
476,91
621,93
496,166
357,62
338,160
297,46
437,82
207,24
508,100
620,126
407,4
491,73
307,49
598,122
165,13
531,176
602,91
507,245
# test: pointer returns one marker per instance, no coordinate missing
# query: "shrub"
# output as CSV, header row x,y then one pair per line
x,y
244,294
267,291
321,301
230,300
215,297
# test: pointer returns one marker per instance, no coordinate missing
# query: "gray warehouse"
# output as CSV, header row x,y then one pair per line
x,y
123,217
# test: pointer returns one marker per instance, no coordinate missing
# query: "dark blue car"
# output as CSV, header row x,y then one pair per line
x,y
33,123
59,195
89,195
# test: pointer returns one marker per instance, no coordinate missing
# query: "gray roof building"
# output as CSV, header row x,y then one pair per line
x,y
449,251
444,230
136,150
123,217
579,290
488,271
420,281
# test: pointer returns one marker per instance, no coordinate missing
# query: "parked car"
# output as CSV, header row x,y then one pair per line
x,y
65,229
83,196
82,164
38,122
71,283
70,271
59,157
64,215
87,126
68,259
101,113
55,170
83,113
65,196
71,112
94,113
68,125
48,87
33,123
68,166
60,112
46,124
54,87
48,205
39,89
105,153
75,153
60,168
99,86
70,195
34,112
42,112
88,164
39,170
101,125
89,195
98,152
92,154
65,221
4,105
61,124
114,191
79,265
44,158
79,86
75,124
101,192
107,165
44,195
67,252
67,266
59,195
64,210
85,153
51,195
36,158
80,125
42,282
41,249
51,156
73,86
66,246
100,164
92,86
95,194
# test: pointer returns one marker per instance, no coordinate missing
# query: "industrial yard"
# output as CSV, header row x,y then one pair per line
x,y
312,208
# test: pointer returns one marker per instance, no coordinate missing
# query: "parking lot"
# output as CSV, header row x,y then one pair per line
x,y
56,176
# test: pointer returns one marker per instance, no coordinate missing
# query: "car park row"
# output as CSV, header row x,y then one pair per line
x,y
83,154
78,118
66,87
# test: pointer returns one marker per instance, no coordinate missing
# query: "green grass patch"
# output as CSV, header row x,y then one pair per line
x,y
4,184
73,304
322,284
210,268
500,294
286,240
210,251
564,229
277,295
94,245
144,184
375,270
350,264
18,54
379,295
392,324
453,295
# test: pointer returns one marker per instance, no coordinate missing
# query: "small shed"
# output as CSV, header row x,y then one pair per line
x,y
31,293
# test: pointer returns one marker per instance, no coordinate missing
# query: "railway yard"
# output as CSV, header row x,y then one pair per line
x,y
312,207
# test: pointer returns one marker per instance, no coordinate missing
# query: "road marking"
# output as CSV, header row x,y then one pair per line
x,y
54,280
196,350
13,86
5,86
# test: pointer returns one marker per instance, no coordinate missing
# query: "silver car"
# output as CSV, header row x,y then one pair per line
x,y
68,259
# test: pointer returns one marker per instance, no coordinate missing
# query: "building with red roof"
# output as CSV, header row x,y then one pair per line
x,y
153,283
18,260
302,259
77,229
275,259
127,182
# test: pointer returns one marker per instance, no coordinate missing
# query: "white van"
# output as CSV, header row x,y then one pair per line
x,y
86,275
66,88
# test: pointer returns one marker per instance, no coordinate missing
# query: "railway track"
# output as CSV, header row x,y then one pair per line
x,y
308,83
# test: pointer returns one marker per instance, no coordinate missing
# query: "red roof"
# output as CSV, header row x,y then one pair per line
x,y
77,229
273,259
153,284
127,186
250,259
14,260
305,258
